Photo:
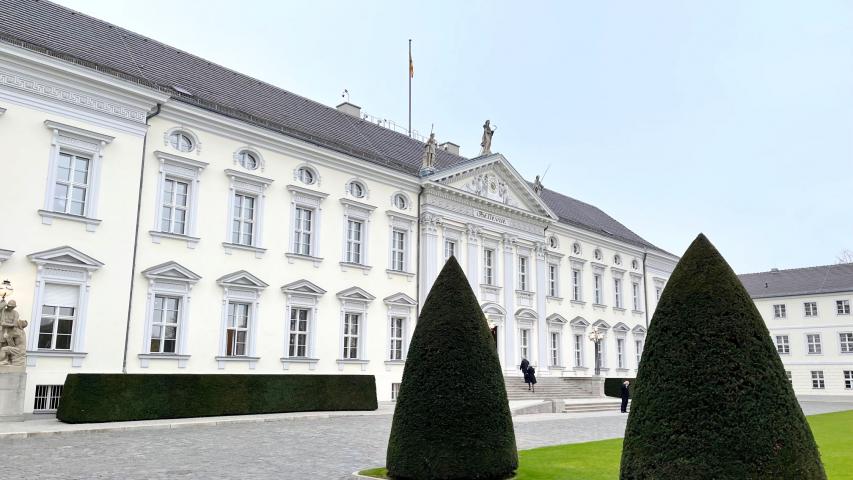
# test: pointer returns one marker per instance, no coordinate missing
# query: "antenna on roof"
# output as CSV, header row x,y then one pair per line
x,y
345,94
546,172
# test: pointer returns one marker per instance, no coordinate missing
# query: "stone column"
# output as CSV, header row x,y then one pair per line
x,y
541,290
473,271
13,387
429,258
512,360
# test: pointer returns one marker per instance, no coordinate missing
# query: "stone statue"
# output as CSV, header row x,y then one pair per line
x,y
537,185
428,159
486,142
13,339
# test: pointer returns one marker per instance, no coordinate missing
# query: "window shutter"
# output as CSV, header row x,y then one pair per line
x,y
61,295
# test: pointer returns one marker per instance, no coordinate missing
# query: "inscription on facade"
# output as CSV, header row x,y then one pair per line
x,y
491,217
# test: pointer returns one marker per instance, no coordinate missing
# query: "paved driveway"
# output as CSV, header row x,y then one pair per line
x,y
318,448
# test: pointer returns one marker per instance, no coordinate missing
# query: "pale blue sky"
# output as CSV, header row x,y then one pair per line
x,y
731,118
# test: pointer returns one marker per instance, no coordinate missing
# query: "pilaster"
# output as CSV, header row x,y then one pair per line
x,y
512,360
541,289
473,241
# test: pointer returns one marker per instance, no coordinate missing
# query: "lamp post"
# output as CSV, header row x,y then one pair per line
x,y
6,289
596,337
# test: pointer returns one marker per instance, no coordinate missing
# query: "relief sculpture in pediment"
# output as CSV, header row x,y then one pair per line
x,y
489,186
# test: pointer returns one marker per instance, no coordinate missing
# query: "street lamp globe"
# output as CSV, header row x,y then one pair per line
x,y
6,288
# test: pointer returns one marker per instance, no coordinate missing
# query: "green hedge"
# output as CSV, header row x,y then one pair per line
x,y
90,397
611,386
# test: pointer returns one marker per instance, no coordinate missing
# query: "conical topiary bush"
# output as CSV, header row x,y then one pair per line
x,y
711,399
452,419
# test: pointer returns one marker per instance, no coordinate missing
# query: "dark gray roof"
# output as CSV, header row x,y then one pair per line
x,y
799,281
72,36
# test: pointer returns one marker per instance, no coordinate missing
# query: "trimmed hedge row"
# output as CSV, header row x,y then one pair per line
x,y
91,398
611,386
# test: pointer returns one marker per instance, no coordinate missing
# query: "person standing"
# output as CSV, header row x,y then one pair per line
x,y
530,378
625,395
524,365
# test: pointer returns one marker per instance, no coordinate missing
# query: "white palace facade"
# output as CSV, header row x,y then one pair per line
x,y
164,214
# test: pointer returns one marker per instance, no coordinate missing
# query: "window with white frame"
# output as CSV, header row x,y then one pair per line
x,y
524,342
243,219
297,344
555,349
58,315
305,221
596,288
177,197
842,307
181,141
617,292
356,232
553,280
597,254
489,266
846,339
175,206
396,338
810,309
354,241
303,230
779,311
635,292
248,160
576,284
356,189
242,292
783,346
578,350
395,391
306,175
47,398
164,324
817,380
576,248
351,335
449,249
523,273
73,174
246,211
848,379
620,353
237,329
165,329
813,343
638,348
398,250
658,291
789,376
400,201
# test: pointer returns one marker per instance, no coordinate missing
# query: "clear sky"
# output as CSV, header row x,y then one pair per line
x,y
730,118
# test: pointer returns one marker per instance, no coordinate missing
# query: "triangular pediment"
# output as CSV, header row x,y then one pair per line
x,y
171,271
355,293
241,278
639,330
65,256
493,179
303,287
621,327
601,325
579,322
400,299
526,314
556,319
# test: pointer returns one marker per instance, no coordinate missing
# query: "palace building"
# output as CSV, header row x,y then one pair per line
x,y
166,214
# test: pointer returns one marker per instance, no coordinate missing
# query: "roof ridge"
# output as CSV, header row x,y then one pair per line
x,y
783,270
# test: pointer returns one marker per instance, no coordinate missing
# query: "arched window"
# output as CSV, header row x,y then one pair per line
x,y
617,259
356,189
576,248
248,160
635,264
181,141
553,242
597,254
306,175
401,202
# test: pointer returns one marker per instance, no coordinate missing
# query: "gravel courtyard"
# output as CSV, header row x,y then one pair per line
x,y
308,448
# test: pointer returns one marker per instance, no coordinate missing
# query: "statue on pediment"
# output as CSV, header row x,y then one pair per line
x,y
428,158
486,141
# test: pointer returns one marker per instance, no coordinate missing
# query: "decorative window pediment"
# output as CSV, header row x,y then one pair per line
x,y
400,299
526,315
242,279
171,271
556,320
65,256
621,328
302,287
5,254
493,309
355,294
579,322
638,330
601,325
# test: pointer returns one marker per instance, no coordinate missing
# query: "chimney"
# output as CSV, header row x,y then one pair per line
x,y
450,147
350,109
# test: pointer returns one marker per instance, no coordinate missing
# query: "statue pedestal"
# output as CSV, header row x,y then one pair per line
x,y
13,387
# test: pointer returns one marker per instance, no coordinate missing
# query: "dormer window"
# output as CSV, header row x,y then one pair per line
x,y
181,141
248,160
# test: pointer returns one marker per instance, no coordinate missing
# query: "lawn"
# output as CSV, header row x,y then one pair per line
x,y
600,460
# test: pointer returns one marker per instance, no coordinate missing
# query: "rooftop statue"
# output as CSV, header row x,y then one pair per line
x,y
486,142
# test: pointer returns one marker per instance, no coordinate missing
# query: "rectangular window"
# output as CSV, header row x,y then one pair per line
x,y
395,391
237,333
396,348
779,311
790,377
596,285
617,292
579,350
620,353
524,342
243,220
302,231
58,316
813,342
817,380
522,273
173,216
488,266
47,398
638,345
846,339
848,379
553,281
782,345
576,285
811,309
298,343
658,291
164,325
449,249
635,290
398,250
71,191
555,349
351,335
354,241
842,307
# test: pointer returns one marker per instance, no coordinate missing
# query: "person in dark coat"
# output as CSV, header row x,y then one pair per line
x,y
524,365
530,378
625,395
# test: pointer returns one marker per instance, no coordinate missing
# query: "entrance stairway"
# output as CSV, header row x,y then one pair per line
x,y
580,395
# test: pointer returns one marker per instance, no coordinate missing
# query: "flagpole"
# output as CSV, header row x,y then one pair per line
x,y
410,87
